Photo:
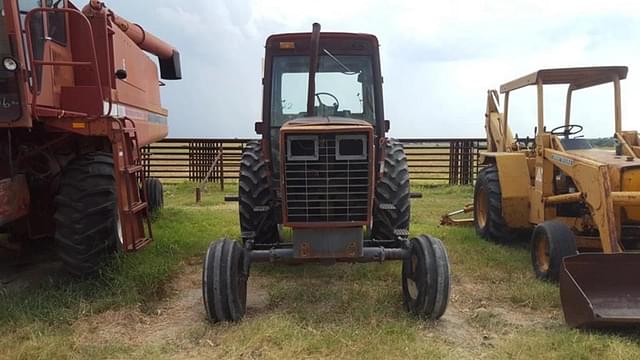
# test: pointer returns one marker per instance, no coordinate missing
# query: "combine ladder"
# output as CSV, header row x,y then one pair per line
x,y
134,208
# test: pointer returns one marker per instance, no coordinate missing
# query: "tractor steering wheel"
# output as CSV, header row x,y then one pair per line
x,y
566,130
336,105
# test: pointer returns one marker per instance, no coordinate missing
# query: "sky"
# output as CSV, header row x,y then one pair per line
x,y
438,58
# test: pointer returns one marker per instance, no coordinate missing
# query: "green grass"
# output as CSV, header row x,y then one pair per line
x,y
347,311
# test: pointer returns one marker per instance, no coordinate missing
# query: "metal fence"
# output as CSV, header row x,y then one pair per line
x,y
452,161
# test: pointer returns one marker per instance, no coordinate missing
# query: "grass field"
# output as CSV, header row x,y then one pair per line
x,y
148,305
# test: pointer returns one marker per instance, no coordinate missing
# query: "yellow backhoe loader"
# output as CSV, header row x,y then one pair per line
x,y
582,203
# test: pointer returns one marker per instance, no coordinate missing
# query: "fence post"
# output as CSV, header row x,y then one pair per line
x,y
454,163
221,167
190,166
467,166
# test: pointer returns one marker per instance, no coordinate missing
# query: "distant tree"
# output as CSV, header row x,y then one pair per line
x,y
602,142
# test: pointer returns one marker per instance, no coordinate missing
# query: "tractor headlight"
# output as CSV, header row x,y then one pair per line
x,y
10,64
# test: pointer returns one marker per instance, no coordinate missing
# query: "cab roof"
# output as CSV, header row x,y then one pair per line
x,y
306,37
577,78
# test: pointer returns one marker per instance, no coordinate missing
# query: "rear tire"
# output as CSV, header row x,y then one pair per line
x,y
155,195
392,206
257,201
224,281
87,214
426,278
487,211
551,242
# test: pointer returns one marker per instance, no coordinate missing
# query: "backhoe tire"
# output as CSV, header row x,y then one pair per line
x,y
426,278
551,242
155,195
487,211
87,225
224,281
256,199
392,205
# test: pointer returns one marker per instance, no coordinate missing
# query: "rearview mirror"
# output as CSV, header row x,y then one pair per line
x,y
259,127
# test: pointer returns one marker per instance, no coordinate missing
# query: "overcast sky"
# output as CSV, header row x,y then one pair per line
x,y
438,58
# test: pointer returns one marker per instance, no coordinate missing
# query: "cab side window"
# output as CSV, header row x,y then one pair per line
x,y
56,22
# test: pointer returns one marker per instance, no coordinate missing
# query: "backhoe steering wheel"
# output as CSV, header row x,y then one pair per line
x,y
571,129
335,105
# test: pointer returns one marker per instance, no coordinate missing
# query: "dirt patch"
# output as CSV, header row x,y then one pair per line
x,y
472,325
168,322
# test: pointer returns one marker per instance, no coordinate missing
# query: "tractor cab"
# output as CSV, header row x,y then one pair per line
x,y
313,78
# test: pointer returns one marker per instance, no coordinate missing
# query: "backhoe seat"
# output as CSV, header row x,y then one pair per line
x,y
576,144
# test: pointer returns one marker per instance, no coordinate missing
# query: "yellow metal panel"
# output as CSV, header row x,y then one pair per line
x,y
514,185
631,182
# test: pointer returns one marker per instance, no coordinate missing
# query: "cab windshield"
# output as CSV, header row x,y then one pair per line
x,y
344,88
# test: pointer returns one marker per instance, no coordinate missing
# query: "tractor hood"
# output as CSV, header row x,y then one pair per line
x,y
325,122
607,157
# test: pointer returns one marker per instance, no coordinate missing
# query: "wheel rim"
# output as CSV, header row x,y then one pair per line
x,y
482,207
120,239
412,287
543,258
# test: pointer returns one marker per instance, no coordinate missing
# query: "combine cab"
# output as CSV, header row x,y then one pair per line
x,y
325,169
582,203
79,97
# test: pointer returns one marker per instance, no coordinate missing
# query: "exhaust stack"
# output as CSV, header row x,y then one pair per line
x,y
313,67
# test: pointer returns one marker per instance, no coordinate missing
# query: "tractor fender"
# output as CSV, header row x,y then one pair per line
x,y
515,185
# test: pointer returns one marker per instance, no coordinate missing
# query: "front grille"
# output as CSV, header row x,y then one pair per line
x,y
323,189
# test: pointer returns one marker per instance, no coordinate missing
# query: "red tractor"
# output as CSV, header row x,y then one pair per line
x,y
78,98
325,169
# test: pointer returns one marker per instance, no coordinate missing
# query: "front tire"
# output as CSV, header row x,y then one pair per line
x,y
224,281
392,206
551,242
87,214
257,212
487,211
426,278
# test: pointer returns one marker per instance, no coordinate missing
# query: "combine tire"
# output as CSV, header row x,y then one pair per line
x,y
487,210
87,230
392,207
155,195
257,212
550,243
425,278
224,281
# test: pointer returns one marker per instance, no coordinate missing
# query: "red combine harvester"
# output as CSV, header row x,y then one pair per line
x,y
78,98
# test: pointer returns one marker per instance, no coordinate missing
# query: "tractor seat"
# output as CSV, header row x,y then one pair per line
x,y
576,144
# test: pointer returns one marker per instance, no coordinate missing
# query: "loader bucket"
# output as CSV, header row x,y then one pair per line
x,y
601,290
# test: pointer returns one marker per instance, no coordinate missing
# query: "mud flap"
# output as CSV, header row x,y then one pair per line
x,y
601,290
